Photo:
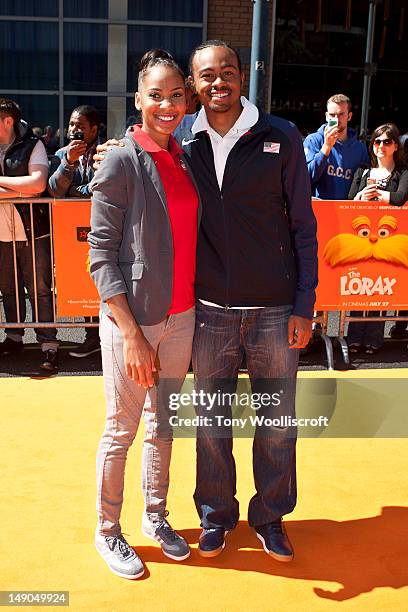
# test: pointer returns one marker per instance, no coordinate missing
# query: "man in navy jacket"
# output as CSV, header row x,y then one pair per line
x,y
255,289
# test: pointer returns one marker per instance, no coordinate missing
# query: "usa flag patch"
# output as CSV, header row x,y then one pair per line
x,y
271,147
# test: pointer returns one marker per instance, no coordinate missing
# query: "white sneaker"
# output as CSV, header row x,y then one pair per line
x,y
120,557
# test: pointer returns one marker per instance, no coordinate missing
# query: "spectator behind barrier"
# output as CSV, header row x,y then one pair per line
x,y
37,131
333,153
387,181
74,172
49,140
71,178
24,171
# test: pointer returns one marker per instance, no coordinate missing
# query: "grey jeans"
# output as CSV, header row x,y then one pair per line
x,y
126,402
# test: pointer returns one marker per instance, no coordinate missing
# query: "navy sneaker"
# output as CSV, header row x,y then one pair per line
x,y
275,541
172,543
212,542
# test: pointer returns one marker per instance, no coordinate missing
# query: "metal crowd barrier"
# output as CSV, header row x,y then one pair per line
x,y
322,318
345,318
319,317
36,323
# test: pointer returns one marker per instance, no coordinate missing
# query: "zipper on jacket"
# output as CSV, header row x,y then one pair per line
x,y
226,251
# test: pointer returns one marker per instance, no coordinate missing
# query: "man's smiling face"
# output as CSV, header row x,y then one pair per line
x,y
217,79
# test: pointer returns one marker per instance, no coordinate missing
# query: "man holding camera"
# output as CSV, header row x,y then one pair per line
x,y
71,179
333,153
74,173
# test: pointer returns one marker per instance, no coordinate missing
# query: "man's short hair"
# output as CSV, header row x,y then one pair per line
x,y
9,108
340,99
90,112
213,43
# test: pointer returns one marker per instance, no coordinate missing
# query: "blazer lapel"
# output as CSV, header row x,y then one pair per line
x,y
148,168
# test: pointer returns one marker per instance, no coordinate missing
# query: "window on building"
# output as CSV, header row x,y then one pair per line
x,y
38,110
320,54
29,8
85,56
89,9
34,47
163,10
178,40
132,114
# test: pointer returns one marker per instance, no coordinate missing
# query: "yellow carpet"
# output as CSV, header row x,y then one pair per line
x,y
350,528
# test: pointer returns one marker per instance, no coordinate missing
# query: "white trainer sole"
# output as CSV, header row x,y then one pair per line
x,y
117,572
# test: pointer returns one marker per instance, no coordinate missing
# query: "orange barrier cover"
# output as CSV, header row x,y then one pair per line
x,y
363,255
76,293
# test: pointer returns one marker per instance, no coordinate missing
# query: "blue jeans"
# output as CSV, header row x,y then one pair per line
x,y
47,336
221,339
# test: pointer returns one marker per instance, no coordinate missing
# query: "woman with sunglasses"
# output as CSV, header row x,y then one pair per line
x,y
145,214
386,181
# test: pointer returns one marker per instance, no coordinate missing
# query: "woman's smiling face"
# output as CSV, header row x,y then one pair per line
x,y
162,101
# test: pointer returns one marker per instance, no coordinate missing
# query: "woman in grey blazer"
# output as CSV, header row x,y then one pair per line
x,y
145,214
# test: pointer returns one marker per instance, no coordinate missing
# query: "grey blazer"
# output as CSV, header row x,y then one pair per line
x,y
130,238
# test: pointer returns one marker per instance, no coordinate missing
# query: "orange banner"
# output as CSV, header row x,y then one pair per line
x,y
76,293
363,255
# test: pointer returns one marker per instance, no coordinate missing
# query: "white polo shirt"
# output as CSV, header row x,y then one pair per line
x,y
222,145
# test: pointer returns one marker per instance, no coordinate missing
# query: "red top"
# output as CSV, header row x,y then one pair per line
x,y
182,205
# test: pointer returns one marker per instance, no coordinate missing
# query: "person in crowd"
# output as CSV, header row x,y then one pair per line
x,y
71,177
74,173
385,180
333,153
49,140
193,103
145,214
58,133
23,173
255,288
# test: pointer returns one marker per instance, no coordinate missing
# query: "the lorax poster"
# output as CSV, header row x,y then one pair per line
x,y
76,293
363,255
